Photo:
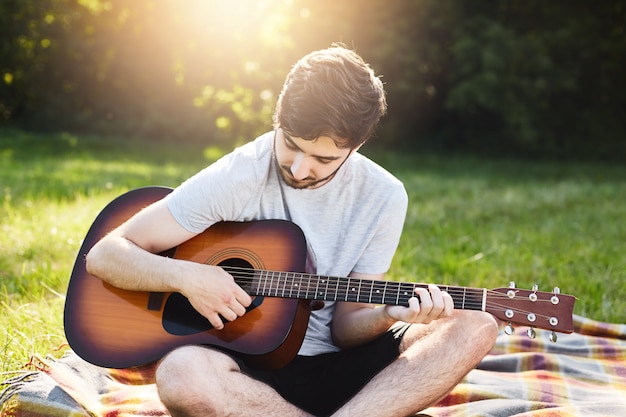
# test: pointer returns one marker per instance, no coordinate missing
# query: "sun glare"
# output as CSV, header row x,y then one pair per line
x,y
229,13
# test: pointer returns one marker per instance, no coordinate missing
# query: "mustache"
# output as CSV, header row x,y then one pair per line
x,y
287,171
307,182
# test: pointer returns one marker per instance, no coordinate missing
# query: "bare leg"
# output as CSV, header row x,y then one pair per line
x,y
197,381
434,358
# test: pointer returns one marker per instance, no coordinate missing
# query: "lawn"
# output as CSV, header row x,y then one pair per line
x,y
471,222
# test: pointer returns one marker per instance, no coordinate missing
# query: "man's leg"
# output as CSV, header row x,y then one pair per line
x,y
433,359
197,381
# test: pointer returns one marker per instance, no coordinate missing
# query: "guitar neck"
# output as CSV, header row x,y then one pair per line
x,y
327,288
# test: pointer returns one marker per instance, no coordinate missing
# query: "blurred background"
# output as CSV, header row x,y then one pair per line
x,y
534,79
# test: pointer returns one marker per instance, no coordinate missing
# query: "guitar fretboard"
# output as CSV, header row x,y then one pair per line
x,y
328,288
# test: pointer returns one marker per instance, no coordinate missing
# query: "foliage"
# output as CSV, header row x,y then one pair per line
x,y
523,77
541,79
471,221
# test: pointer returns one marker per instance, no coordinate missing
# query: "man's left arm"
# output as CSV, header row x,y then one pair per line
x,y
357,323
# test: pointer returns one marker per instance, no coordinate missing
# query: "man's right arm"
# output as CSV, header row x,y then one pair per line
x,y
126,258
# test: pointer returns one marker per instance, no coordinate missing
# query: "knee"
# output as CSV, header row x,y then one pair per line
x,y
480,329
171,382
183,379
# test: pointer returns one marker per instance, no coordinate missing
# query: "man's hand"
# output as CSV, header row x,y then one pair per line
x,y
213,293
432,304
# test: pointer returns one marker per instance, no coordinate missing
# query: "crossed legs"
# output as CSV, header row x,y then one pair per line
x,y
196,381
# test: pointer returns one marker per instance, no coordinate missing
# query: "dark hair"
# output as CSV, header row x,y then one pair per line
x,y
332,92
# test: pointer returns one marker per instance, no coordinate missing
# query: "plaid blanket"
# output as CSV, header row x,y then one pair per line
x,y
583,374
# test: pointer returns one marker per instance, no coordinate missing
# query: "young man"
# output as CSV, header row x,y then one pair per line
x,y
356,359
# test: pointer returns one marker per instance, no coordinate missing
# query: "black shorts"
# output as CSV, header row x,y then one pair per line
x,y
321,384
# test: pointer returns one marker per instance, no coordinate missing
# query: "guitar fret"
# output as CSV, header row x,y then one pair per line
x,y
257,282
321,293
389,297
268,285
384,293
398,295
300,286
464,293
272,287
282,285
352,294
377,295
278,286
308,287
317,287
484,303
330,295
264,290
405,291
346,282
326,290
291,285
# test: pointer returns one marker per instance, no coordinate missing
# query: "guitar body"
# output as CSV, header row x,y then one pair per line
x,y
116,328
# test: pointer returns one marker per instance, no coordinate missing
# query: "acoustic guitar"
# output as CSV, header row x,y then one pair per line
x,y
116,328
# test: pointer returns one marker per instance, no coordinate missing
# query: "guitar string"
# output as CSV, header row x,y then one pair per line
x,y
342,289
250,274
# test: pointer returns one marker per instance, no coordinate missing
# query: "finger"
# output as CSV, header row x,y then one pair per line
x,y
230,314
448,303
238,309
415,305
244,299
215,321
426,303
437,299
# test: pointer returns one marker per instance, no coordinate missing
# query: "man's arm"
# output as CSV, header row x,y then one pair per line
x,y
126,258
358,323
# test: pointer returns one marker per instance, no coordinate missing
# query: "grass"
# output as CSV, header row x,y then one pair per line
x,y
486,223
471,221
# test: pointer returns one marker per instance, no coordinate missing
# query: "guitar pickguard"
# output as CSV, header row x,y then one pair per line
x,y
181,319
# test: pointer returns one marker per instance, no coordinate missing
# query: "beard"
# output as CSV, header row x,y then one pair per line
x,y
305,183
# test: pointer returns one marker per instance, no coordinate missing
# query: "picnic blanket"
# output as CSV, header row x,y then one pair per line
x,y
583,374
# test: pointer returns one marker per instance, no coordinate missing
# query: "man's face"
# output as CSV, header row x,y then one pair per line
x,y
308,163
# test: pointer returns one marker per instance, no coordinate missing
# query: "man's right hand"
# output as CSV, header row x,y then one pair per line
x,y
213,292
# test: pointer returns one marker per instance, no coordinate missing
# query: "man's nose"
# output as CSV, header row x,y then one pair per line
x,y
299,168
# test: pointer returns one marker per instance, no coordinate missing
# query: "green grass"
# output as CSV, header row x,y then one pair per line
x,y
471,221
485,223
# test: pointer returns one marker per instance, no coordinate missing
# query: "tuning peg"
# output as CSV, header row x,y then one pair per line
x,y
508,329
533,295
552,337
510,293
555,298
531,333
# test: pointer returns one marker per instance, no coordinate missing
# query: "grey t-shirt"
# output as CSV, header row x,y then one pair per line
x,y
352,223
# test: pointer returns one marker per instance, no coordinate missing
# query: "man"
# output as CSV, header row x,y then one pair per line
x,y
356,359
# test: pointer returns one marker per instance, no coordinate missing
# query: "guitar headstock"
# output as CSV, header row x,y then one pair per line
x,y
544,310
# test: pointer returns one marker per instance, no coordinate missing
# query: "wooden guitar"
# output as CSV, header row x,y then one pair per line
x,y
116,328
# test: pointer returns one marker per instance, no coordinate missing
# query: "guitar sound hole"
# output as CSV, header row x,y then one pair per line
x,y
181,319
